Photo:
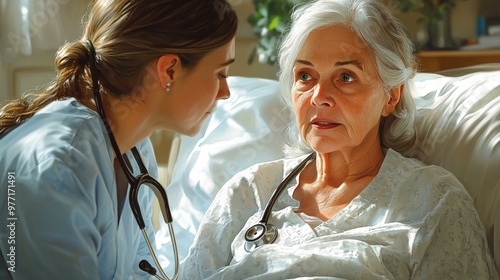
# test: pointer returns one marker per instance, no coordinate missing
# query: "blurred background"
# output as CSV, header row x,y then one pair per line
x,y
31,31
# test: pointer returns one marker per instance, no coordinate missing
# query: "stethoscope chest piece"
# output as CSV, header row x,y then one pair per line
x,y
259,234
263,233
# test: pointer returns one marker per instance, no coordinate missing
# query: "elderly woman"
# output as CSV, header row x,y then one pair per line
x,y
355,208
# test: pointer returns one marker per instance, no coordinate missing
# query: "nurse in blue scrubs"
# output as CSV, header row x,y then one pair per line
x,y
158,64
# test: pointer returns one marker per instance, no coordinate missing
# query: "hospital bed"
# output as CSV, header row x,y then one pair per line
x,y
458,125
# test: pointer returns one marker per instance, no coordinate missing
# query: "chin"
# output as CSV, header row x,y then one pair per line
x,y
192,131
325,147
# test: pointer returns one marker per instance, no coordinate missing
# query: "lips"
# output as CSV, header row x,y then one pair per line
x,y
323,123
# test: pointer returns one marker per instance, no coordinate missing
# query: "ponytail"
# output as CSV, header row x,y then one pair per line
x,y
70,81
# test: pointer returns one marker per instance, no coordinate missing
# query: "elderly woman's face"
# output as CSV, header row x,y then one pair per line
x,y
337,93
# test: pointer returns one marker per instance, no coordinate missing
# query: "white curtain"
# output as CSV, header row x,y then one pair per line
x,y
31,26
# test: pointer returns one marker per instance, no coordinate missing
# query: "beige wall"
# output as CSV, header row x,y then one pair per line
x,y
20,73
3,82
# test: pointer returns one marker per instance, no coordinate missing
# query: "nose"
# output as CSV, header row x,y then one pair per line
x,y
224,92
322,96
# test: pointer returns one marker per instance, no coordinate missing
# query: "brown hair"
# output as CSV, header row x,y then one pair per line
x,y
127,35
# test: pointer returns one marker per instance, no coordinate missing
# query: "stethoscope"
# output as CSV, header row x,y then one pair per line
x,y
263,233
136,181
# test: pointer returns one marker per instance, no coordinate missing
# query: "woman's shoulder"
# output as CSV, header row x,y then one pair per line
x,y
415,174
63,130
73,119
409,164
60,149
62,120
416,191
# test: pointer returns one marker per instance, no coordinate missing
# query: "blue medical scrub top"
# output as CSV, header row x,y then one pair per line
x,y
63,222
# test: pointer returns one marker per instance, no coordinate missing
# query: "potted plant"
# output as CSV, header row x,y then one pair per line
x,y
272,16
435,17
268,23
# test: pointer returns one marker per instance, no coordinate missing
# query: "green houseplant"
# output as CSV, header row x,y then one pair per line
x,y
435,17
431,10
272,16
268,23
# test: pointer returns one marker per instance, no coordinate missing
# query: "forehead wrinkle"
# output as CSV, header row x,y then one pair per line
x,y
356,63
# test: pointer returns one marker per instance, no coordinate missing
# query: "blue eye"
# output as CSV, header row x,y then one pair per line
x,y
304,76
346,78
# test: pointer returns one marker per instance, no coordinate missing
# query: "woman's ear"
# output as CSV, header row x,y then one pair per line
x,y
395,96
166,68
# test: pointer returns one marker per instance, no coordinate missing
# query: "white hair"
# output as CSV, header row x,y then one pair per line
x,y
380,31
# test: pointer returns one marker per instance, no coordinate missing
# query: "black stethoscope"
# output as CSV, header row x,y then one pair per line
x,y
263,233
136,181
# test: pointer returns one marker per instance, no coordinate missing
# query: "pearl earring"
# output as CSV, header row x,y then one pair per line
x,y
169,84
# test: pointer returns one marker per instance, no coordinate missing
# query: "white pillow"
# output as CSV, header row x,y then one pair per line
x,y
246,129
459,129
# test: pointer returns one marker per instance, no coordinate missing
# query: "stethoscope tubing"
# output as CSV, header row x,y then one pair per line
x,y
272,200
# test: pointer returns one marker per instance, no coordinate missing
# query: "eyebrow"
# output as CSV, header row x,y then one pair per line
x,y
339,63
300,61
227,62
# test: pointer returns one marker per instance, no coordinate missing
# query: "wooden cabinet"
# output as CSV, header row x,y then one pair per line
x,y
434,61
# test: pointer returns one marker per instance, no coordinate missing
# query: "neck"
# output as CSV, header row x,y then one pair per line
x,y
340,167
129,120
